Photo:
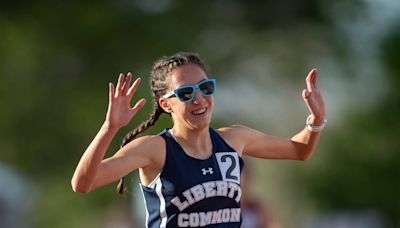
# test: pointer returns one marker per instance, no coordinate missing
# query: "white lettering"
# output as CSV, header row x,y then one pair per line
x,y
226,215
222,188
216,217
235,215
194,219
198,192
205,218
182,220
209,188
239,195
188,196
180,205
233,188
201,219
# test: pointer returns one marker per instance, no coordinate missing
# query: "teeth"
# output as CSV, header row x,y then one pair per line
x,y
199,112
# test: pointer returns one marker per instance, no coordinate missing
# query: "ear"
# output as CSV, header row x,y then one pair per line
x,y
165,105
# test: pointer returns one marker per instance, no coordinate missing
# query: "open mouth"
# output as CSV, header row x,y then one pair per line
x,y
199,112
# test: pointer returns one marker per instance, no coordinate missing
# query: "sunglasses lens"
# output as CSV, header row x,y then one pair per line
x,y
207,88
185,94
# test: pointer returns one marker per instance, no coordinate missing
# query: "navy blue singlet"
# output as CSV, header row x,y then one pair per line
x,y
192,192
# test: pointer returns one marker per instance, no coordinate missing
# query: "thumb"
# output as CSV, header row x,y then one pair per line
x,y
138,106
305,94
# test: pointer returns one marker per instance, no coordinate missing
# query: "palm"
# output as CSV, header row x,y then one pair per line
x,y
119,111
313,97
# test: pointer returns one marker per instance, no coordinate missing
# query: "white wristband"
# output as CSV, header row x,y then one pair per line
x,y
313,128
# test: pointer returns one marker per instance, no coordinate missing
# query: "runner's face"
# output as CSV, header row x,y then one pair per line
x,y
196,113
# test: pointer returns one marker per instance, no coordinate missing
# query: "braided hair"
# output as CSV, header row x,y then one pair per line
x,y
159,86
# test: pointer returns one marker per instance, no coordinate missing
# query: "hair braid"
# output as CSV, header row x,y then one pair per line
x,y
159,85
157,111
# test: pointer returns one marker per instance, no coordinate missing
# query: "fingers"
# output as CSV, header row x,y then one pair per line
x,y
305,94
123,84
138,106
120,84
132,89
111,91
311,80
127,83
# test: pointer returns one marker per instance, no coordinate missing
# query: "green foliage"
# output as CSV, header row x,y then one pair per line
x,y
361,167
57,58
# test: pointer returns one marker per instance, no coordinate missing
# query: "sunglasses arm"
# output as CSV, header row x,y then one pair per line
x,y
168,95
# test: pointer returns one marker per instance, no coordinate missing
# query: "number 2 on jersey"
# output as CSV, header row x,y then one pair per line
x,y
228,163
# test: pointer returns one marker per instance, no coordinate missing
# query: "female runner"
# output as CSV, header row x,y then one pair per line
x,y
189,174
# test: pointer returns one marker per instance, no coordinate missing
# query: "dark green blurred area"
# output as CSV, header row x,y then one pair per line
x,y
58,57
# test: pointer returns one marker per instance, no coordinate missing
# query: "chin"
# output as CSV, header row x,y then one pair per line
x,y
196,125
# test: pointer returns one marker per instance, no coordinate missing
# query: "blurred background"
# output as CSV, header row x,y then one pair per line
x,y
58,57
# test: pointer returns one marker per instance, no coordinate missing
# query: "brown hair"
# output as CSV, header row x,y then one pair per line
x,y
159,86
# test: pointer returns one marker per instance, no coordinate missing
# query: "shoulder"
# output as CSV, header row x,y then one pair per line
x,y
147,141
150,146
150,152
234,131
236,128
235,136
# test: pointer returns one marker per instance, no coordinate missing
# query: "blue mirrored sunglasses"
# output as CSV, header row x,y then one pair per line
x,y
186,93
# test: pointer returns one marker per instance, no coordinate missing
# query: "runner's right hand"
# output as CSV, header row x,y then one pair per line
x,y
119,111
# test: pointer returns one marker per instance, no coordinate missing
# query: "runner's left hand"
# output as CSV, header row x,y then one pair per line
x,y
313,98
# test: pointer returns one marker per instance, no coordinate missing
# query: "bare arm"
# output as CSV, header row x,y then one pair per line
x,y
119,114
306,141
261,145
87,168
254,143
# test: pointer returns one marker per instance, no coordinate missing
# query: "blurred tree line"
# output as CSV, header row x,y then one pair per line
x,y
361,170
58,57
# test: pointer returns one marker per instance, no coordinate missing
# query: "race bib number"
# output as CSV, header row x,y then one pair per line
x,y
228,163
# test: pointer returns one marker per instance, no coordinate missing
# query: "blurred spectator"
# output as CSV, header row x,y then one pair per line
x,y
347,219
120,217
16,198
255,213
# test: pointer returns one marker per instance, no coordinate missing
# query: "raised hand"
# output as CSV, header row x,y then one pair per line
x,y
313,98
119,111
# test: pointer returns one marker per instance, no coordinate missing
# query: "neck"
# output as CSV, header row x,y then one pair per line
x,y
195,142
190,134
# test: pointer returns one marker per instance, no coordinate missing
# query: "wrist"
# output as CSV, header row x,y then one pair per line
x,y
315,120
109,127
314,124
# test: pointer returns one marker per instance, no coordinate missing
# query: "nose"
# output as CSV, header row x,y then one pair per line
x,y
198,97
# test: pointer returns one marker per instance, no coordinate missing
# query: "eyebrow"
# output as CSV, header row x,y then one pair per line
x,y
192,84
